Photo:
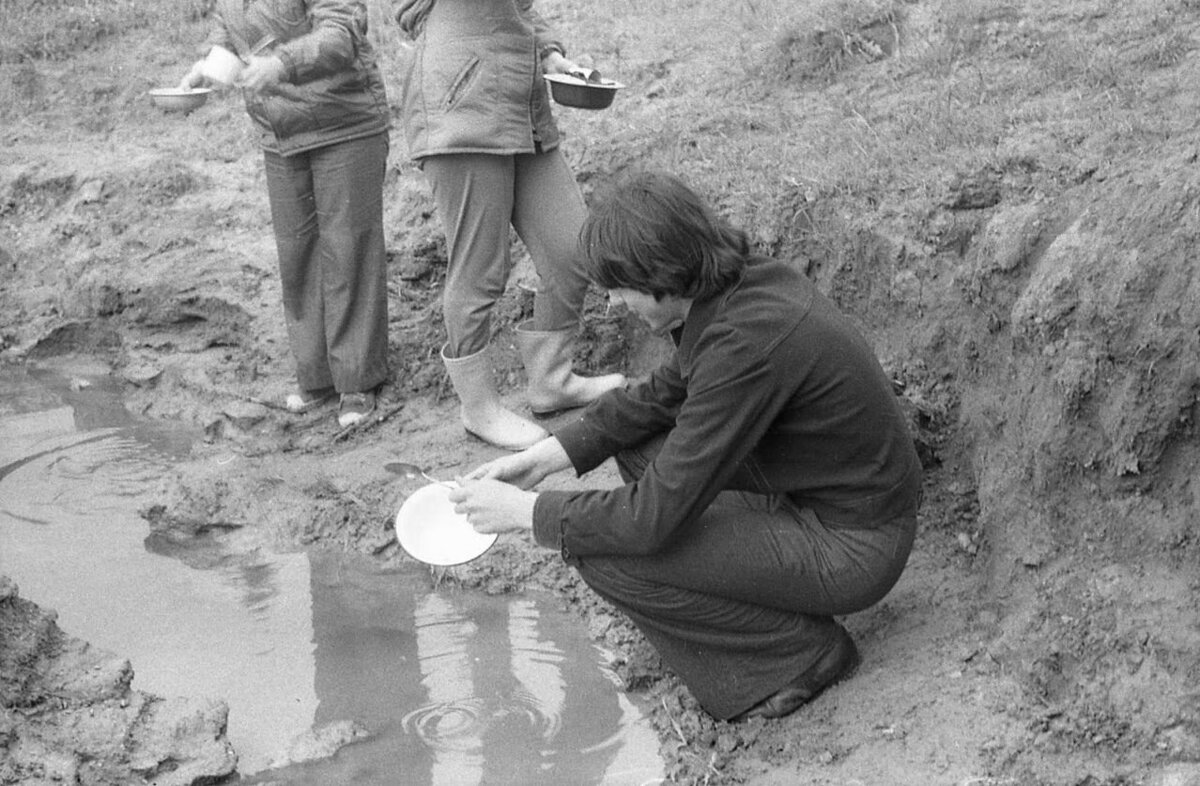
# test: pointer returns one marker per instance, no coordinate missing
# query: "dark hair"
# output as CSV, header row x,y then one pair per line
x,y
652,233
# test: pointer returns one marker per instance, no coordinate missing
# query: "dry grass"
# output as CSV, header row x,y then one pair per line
x,y
60,29
771,107
818,40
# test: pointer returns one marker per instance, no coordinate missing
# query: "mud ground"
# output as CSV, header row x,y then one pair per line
x,y
1028,281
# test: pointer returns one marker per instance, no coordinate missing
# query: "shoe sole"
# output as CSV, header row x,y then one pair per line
x,y
847,662
346,420
309,406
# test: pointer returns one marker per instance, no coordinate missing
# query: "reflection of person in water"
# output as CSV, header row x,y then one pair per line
x,y
456,689
771,481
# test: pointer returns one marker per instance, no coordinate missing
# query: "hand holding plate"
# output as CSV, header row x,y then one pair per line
x,y
494,506
527,468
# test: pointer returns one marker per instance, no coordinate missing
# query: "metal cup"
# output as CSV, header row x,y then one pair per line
x,y
221,67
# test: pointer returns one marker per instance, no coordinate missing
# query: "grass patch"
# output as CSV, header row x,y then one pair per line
x,y
822,38
61,29
163,182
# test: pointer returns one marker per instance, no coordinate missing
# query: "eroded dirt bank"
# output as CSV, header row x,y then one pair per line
x,y
71,717
1004,195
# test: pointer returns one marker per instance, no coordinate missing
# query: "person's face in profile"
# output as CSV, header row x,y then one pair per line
x,y
661,315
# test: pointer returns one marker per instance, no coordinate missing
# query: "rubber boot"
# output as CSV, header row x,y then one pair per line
x,y
483,414
553,384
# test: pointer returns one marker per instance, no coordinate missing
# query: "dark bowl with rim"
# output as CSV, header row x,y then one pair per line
x,y
583,90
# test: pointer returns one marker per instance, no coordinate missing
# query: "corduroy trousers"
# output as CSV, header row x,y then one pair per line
x,y
327,215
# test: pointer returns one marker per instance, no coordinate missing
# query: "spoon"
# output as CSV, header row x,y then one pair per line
x,y
589,75
262,44
412,472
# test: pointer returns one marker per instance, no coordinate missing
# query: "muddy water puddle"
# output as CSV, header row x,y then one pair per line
x,y
451,687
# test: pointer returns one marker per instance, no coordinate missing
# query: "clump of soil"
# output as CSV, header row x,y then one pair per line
x,y
69,715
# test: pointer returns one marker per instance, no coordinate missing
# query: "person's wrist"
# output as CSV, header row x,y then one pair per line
x,y
552,456
531,498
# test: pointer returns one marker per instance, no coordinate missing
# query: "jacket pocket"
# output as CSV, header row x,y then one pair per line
x,y
460,85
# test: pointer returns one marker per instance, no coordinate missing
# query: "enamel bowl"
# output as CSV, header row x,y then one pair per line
x,y
176,99
581,93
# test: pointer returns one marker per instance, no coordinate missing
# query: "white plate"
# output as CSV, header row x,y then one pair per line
x,y
430,531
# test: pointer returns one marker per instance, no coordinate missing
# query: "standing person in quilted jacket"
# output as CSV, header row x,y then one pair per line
x,y
313,89
477,118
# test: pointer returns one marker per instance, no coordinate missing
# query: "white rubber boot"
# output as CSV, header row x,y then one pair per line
x,y
553,384
482,412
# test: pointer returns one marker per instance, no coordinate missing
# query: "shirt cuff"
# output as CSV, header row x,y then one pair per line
x,y
550,521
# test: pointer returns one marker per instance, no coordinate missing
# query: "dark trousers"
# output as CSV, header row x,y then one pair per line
x,y
327,214
742,602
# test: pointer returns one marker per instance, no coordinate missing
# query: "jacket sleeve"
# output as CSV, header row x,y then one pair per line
x,y
332,44
218,34
545,38
411,14
733,396
624,418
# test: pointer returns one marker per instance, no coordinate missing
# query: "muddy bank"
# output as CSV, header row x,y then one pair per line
x,y
69,716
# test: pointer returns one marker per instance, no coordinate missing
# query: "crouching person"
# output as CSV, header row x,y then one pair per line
x,y
771,482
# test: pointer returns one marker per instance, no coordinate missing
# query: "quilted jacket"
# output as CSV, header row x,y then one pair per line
x,y
333,90
474,80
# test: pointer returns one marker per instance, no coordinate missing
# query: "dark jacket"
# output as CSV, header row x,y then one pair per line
x,y
474,80
333,90
770,390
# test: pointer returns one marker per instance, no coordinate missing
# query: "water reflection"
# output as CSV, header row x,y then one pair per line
x,y
456,687
72,539
461,688
512,711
